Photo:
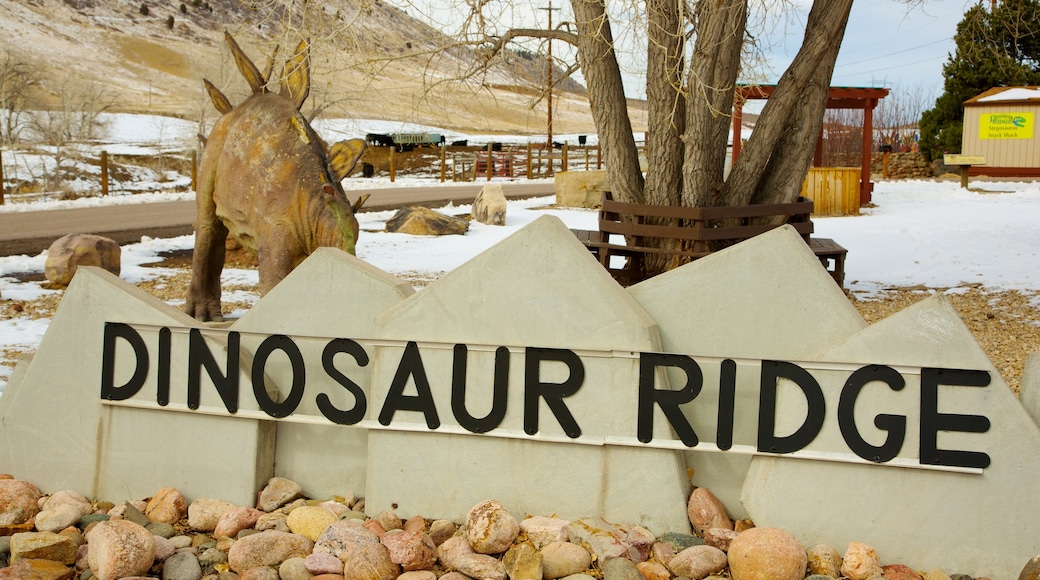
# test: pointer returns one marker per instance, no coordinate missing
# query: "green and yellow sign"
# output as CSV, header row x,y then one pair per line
x,y
1006,126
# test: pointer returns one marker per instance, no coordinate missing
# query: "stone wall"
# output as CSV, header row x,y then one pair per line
x,y
902,165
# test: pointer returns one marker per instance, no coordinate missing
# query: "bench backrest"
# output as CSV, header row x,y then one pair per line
x,y
702,224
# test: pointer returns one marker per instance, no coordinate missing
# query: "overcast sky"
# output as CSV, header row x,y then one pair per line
x,y
897,44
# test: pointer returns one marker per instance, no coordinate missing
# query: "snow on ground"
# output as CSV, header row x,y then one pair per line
x,y
918,233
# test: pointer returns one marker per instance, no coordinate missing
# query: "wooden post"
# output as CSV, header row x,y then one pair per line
x,y
586,157
194,169
884,165
489,162
393,164
1,178
564,162
530,165
599,158
444,153
104,173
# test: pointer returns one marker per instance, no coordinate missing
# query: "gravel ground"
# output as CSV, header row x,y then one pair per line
x,y
1004,323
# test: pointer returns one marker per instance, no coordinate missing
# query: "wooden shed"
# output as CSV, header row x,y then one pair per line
x,y
1000,126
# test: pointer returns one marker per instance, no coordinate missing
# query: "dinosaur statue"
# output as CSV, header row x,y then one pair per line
x,y
268,180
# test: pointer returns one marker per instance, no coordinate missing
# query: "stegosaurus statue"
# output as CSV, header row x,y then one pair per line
x,y
268,180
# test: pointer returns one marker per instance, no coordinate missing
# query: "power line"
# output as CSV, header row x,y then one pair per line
x,y
942,40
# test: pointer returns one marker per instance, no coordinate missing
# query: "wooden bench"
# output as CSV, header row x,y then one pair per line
x,y
689,233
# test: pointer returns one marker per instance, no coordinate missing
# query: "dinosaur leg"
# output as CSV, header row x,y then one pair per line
x,y
203,301
276,260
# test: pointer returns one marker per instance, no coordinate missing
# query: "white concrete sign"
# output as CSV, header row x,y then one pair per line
x,y
529,376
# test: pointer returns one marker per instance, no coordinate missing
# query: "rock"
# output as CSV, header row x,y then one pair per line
x,y
481,566
824,560
58,517
960,577
161,529
119,548
719,538
901,572
43,546
130,511
36,570
370,562
19,501
698,562
259,573
441,530
335,508
490,528
705,511
205,513
272,521
542,531
936,574
418,575
681,541
860,562
296,569
580,188
489,207
415,524
523,562
82,560
653,570
454,576
410,550
767,554
375,527
389,520
561,559
278,492
323,563
309,521
452,550
73,250
67,497
167,507
163,548
422,221
603,539
268,548
621,569
342,537
237,519
182,566
663,552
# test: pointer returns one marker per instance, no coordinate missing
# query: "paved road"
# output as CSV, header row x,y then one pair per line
x,y
32,232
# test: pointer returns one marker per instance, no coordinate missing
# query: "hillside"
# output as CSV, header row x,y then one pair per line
x,y
369,60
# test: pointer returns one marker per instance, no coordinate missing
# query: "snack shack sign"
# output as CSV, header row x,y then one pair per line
x,y
1006,125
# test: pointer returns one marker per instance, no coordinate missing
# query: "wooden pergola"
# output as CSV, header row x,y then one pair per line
x,y
864,98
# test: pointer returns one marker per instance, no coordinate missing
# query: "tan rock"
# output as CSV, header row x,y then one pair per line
x,y
43,546
278,492
490,528
19,501
561,559
767,554
119,548
370,562
698,562
269,548
69,252
235,520
441,530
37,570
580,188
652,570
168,506
205,513
422,221
523,562
309,521
489,207
860,562
542,531
824,560
705,511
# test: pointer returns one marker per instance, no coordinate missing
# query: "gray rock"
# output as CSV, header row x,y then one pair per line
x,y
90,519
135,515
294,569
621,569
162,530
960,577
422,221
182,566
5,544
681,541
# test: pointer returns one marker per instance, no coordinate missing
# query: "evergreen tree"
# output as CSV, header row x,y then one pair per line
x,y
1000,47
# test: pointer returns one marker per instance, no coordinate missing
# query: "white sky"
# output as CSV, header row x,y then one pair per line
x,y
932,234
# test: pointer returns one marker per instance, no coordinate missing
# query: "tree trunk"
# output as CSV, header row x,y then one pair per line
x,y
772,166
607,99
666,106
712,82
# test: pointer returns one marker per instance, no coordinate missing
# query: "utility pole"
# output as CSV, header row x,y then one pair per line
x,y
549,82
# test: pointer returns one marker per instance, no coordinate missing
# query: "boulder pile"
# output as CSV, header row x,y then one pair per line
x,y
287,536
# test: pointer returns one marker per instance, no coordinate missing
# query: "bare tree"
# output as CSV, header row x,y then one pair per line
x,y
75,121
17,79
895,119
